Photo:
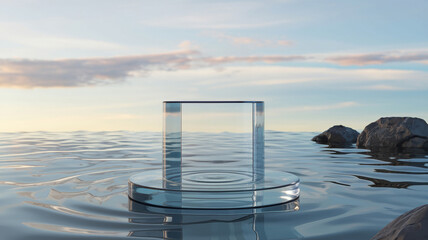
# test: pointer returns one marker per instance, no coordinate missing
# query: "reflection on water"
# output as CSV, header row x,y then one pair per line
x,y
219,223
402,157
385,183
74,186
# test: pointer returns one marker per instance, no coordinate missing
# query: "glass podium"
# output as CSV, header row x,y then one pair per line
x,y
213,185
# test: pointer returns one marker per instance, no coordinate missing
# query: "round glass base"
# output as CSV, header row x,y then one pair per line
x,y
213,189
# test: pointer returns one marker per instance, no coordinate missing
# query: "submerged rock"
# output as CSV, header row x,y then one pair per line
x,y
337,136
412,225
395,132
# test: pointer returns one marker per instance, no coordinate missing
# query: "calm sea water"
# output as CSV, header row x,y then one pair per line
x,y
74,186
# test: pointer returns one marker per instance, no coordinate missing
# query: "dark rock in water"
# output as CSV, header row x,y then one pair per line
x,y
337,136
395,132
412,225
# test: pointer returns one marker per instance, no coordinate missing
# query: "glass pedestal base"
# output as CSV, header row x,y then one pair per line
x,y
213,189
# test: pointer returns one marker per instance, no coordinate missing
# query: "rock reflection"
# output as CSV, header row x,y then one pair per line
x,y
400,172
393,156
397,161
385,183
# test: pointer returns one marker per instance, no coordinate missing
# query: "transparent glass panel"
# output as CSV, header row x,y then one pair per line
x,y
213,158
223,132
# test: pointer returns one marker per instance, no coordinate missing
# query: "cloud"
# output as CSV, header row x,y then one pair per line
x,y
252,59
320,107
188,45
383,87
210,15
25,73
61,42
30,73
317,77
378,58
200,23
18,33
123,117
284,42
248,40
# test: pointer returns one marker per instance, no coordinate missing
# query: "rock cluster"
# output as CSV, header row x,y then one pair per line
x,y
385,133
337,136
395,132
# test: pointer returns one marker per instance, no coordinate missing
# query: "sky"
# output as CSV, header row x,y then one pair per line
x,y
108,65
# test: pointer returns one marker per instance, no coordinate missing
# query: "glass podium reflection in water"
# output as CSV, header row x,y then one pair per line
x,y
209,185
209,224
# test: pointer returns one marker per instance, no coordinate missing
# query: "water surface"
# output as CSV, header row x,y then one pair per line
x,y
74,186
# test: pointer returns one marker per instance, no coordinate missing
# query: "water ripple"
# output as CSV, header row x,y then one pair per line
x,y
73,185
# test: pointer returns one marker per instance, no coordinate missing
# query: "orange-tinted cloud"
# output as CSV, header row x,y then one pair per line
x,y
25,73
378,58
251,59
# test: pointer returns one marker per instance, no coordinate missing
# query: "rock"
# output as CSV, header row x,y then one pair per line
x,y
337,136
395,132
412,225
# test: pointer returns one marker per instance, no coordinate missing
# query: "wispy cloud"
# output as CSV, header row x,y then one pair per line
x,y
252,59
188,45
210,15
30,73
248,40
25,73
320,107
279,76
384,87
201,23
284,42
23,35
378,58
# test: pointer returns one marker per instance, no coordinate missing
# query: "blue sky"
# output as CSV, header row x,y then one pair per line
x,y
108,65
